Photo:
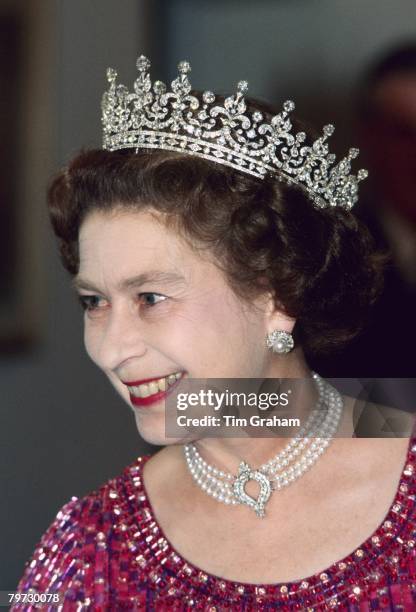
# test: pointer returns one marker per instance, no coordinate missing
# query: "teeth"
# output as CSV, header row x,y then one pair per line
x,y
155,386
144,390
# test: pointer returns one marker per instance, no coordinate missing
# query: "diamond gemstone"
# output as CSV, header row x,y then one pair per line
x,y
111,74
289,106
159,87
242,86
329,129
184,67
208,97
142,64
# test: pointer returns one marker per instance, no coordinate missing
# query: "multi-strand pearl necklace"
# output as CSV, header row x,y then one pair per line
x,y
277,473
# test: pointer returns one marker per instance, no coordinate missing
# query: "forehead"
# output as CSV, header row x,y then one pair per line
x,y
123,227
119,243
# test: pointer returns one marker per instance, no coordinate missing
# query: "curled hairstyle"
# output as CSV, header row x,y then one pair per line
x,y
321,265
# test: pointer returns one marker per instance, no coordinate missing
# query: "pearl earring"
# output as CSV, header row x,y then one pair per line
x,y
280,341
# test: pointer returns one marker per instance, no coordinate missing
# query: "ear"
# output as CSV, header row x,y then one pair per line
x,y
276,318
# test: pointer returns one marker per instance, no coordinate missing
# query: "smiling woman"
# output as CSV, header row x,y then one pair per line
x,y
209,240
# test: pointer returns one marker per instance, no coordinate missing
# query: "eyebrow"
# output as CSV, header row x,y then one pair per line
x,y
133,282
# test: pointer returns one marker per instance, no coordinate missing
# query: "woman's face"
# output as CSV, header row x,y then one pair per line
x,y
155,307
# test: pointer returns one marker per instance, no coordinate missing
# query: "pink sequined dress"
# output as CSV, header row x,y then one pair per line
x,y
107,552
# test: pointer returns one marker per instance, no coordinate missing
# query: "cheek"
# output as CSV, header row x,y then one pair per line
x,y
119,387
91,342
221,330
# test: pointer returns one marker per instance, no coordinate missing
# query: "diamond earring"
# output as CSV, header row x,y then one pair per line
x,y
280,341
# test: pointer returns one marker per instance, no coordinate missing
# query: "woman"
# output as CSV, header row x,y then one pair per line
x,y
208,240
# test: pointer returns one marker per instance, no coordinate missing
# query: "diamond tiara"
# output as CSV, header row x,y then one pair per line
x,y
154,118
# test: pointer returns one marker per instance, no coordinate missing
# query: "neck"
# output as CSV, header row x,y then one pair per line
x,y
226,453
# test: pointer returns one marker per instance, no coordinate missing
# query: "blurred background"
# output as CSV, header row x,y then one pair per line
x,y
63,429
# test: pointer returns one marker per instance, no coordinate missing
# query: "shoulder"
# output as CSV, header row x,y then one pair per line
x,y
73,552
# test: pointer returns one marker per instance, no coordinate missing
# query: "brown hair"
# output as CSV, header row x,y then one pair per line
x,y
320,264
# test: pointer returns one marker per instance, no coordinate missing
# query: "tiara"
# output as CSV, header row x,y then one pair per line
x,y
152,117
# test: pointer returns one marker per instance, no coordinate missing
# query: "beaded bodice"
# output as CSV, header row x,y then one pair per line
x,y
107,552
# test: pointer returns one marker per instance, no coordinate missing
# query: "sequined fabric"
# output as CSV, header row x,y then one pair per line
x,y
107,552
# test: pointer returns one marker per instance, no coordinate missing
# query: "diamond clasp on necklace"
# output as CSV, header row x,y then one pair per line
x,y
245,473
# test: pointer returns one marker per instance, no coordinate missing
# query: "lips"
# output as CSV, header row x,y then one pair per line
x,y
136,383
148,391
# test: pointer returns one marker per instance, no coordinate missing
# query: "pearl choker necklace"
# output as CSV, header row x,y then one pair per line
x,y
277,473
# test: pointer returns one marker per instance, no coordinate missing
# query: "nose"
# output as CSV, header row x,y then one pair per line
x,y
121,338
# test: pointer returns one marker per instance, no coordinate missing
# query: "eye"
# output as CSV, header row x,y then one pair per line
x,y
89,302
150,298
